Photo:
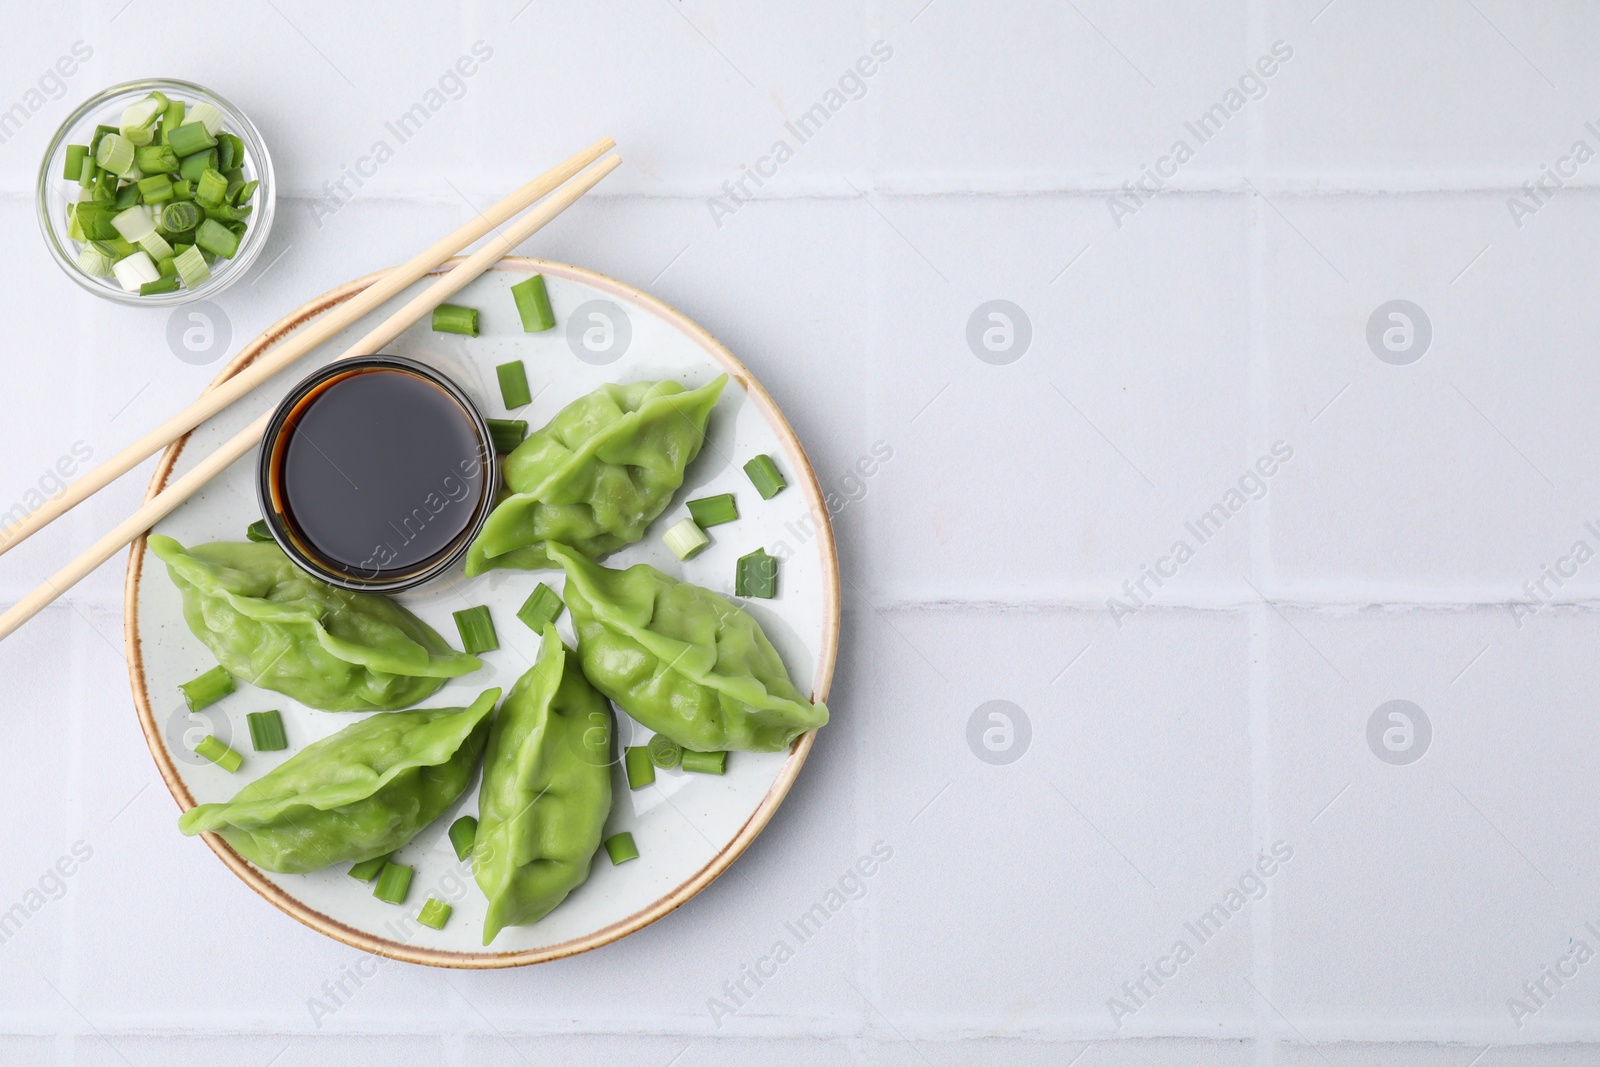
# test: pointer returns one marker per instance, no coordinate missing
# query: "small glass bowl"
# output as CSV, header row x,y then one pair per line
x,y
56,192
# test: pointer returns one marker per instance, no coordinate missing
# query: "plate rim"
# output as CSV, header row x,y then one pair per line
x,y
822,680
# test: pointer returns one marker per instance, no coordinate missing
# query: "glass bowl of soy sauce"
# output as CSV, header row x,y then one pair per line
x,y
376,473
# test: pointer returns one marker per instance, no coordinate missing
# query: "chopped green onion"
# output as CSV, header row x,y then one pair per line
x,y
134,271
453,318
211,236
367,870
193,166
542,606
95,220
93,262
513,385
621,849
665,752
73,169
394,882
160,285
74,230
266,731
243,194
258,531
135,223
155,189
180,216
90,172
183,189
191,266
166,267
208,115
757,575
191,137
636,761
230,153
713,510
172,119
128,195
764,475
507,434
705,762
434,913
115,154
533,304
117,247
685,539
139,117
156,159
463,835
477,630
220,754
156,245
207,689
211,187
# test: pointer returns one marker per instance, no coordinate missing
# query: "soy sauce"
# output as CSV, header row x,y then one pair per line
x,y
378,473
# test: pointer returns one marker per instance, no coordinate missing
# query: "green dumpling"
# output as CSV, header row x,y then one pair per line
x,y
682,660
361,793
546,791
597,474
271,624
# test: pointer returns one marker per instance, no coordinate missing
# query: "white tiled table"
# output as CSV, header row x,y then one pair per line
x,y
1170,746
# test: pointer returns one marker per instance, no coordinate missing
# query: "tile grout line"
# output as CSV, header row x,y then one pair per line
x,y
866,964
1259,561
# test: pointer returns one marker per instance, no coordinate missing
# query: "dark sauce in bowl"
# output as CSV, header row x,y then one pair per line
x,y
376,473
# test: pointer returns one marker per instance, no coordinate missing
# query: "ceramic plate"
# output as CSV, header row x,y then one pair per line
x,y
688,827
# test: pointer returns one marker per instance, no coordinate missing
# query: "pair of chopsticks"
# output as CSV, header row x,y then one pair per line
x,y
291,349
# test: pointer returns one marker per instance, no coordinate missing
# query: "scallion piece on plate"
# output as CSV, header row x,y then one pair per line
x,y
507,434
394,882
212,236
156,159
713,510
757,575
155,189
621,849
157,246
685,539
191,266
160,285
765,476
134,223
93,262
453,318
135,270
266,731
211,187
171,119
367,870
181,216
543,605
208,115
513,385
463,834
191,137
434,913
207,689
636,761
477,630
705,762
220,754
115,154
533,304
73,169
197,164
258,531
665,752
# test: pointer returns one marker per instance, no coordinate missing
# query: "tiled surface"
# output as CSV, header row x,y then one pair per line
x,y
1009,530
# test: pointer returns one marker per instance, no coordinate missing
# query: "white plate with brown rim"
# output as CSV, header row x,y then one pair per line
x,y
688,827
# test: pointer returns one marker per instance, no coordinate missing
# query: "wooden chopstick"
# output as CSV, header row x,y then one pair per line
x,y
162,504
299,343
